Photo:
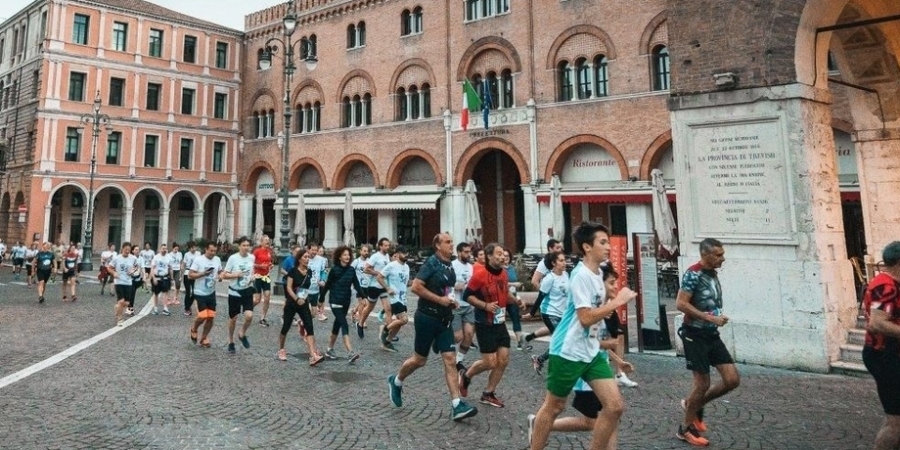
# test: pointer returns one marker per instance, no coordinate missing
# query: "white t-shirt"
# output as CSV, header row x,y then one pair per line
x,y
378,261
189,258
571,340
147,258
177,257
207,284
359,265
106,257
542,268
124,265
556,290
29,255
463,272
2,249
240,264
19,251
161,264
317,264
396,275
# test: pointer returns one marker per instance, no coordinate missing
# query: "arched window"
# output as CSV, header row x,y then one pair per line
x,y
583,77
259,57
661,68
426,100
414,103
480,9
271,123
311,46
300,112
494,86
347,117
309,113
405,23
601,76
564,75
418,24
506,87
256,127
402,110
351,36
317,116
367,109
361,34
478,85
357,111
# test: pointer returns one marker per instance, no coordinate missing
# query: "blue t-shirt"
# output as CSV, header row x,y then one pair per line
x,y
45,260
439,278
287,265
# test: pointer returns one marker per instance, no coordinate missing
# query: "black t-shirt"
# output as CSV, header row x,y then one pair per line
x,y
298,280
439,279
45,261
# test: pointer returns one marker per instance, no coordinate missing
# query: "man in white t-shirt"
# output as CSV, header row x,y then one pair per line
x,y
161,279
205,271
146,256
106,256
574,354
464,316
374,265
18,257
317,264
365,280
394,278
189,256
239,269
122,268
177,259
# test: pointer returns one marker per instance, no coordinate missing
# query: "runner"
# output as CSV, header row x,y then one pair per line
x,y
18,258
340,281
106,258
30,254
146,263
43,263
434,285
2,252
264,258
80,251
177,259
186,263
464,316
122,268
514,308
488,292
204,270
554,289
394,278
161,279
359,265
700,299
58,251
318,263
375,293
70,272
881,354
296,302
542,270
239,269
137,279
574,354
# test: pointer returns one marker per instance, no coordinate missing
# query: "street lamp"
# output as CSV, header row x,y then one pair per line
x,y
94,119
265,62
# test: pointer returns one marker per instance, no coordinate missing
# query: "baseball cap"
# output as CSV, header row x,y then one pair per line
x,y
891,254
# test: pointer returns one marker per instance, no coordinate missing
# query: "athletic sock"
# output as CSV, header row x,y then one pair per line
x,y
397,382
455,402
529,337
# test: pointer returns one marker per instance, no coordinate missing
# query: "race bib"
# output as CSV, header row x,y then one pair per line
x,y
500,316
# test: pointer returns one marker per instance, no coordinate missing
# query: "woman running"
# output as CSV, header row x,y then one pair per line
x,y
137,279
514,310
299,279
340,279
70,274
554,289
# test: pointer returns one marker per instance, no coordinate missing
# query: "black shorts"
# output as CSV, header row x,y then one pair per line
x,y
260,286
30,268
587,403
243,301
491,337
18,262
374,293
885,369
43,275
398,308
162,285
432,333
68,274
205,302
613,325
147,270
123,291
703,349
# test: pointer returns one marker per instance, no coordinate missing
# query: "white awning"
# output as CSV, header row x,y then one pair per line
x,y
400,198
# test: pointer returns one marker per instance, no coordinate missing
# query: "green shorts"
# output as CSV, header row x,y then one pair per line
x,y
562,374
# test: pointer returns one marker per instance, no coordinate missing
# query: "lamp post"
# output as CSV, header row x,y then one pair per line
x,y
290,25
95,119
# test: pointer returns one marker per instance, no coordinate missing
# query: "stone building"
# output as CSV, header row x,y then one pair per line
x,y
166,169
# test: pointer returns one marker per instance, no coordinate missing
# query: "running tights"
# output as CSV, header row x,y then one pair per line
x,y
340,319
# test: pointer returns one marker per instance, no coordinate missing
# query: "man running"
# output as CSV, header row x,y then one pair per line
x,y
554,288
700,299
161,279
264,260
70,272
394,278
488,292
30,254
137,279
146,263
464,316
18,258
434,286
177,259
239,269
106,257
43,263
188,260
122,267
374,266
574,354
359,265
542,270
204,271
319,264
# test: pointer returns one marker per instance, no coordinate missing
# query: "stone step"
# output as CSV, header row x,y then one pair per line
x,y
861,322
851,353
849,368
856,336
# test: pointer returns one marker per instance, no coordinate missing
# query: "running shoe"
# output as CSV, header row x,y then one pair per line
x,y
537,364
321,317
165,311
74,298
231,348
488,398
360,331
396,392
699,424
315,359
187,312
530,427
524,348
264,322
460,367
463,411
65,298
384,335
295,322
41,299
330,354
353,357
395,339
387,346
381,316
464,384
623,380
691,436
193,335
155,311
205,343
244,341
281,355
129,311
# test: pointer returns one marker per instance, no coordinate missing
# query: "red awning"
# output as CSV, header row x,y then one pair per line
x,y
604,197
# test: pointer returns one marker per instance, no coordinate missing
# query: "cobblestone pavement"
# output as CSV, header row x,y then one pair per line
x,y
149,387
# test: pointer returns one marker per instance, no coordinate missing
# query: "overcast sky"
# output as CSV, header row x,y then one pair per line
x,y
226,12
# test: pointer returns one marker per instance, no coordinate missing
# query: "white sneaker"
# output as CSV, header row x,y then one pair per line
x,y
155,311
623,380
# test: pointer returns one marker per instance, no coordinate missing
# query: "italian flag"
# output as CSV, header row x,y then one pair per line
x,y
471,102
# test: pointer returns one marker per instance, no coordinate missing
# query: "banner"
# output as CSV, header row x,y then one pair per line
x,y
618,257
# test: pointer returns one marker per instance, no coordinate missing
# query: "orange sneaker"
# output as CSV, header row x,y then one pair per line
x,y
698,423
691,436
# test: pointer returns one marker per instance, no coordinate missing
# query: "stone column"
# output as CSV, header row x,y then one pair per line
x,y
408,106
387,225
877,159
164,226
126,224
229,225
757,171
333,234
535,234
452,214
353,114
198,225
245,213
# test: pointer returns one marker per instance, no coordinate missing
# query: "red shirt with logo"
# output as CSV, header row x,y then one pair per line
x,y
883,293
264,258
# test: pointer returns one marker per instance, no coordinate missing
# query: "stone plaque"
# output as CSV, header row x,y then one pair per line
x,y
739,179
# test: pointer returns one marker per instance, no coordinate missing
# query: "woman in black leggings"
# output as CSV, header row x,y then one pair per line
x,y
136,282
341,278
299,278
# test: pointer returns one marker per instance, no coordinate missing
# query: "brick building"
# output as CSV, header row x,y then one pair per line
x,y
166,167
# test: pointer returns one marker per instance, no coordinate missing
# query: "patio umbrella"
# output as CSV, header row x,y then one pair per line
x,y
473,213
557,224
349,238
663,221
258,232
300,221
222,221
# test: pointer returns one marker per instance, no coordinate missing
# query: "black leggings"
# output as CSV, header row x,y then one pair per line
x,y
188,293
135,283
340,319
290,309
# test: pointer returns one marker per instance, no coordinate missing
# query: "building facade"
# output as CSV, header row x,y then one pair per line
x,y
166,167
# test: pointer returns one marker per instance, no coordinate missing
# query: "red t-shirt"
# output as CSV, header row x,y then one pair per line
x,y
490,287
883,293
263,260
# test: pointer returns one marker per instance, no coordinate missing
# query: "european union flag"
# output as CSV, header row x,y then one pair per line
x,y
486,102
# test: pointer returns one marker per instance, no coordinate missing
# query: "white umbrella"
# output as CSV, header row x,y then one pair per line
x,y
258,232
300,221
663,221
473,214
349,238
221,221
557,225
